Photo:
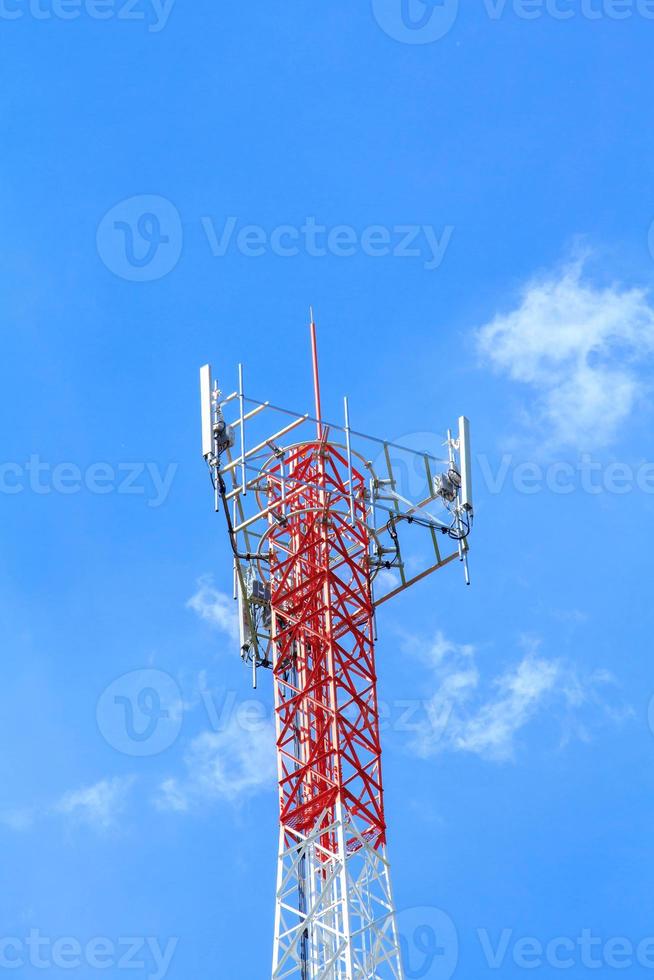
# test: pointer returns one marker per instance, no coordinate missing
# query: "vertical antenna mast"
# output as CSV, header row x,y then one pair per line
x,y
316,373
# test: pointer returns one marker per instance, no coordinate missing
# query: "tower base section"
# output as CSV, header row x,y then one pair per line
x,y
335,918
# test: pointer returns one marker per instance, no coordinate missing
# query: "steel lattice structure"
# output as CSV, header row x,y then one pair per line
x,y
311,524
328,747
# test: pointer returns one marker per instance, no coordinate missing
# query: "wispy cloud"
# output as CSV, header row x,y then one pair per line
x,y
98,806
469,713
579,348
215,607
386,581
18,819
228,766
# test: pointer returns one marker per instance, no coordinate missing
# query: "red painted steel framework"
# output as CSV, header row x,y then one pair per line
x,y
325,681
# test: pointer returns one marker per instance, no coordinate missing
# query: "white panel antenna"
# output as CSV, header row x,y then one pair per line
x,y
206,400
465,457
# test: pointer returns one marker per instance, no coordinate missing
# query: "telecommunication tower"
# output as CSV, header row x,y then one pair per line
x,y
317,529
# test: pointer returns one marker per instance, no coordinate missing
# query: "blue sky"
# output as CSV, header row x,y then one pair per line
x,y
180,182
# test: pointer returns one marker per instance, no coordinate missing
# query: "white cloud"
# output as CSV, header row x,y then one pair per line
x,y
579,347
215,607
468,714
386,581
519,693
230,765
172,797
99,805
19,819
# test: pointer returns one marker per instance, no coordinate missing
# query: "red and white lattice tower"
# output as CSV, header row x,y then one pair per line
x,y
308,542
